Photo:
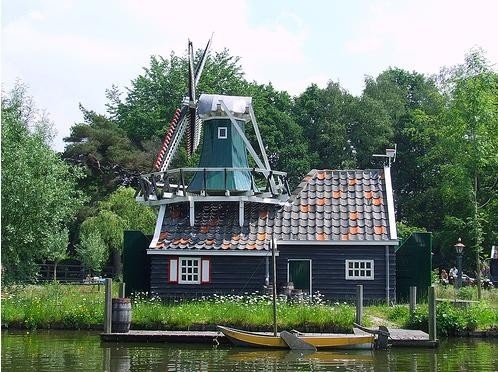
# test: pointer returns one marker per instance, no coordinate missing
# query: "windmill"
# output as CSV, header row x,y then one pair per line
x,y
223,173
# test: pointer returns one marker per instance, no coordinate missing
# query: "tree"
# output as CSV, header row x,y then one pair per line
x,y
117,213
322,114
413,103
92,251
107,155
39,195
283,138
467,153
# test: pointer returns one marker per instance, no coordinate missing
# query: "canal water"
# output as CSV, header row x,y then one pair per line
x,y
83,351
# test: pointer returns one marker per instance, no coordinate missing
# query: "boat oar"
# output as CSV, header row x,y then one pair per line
x,y
296,343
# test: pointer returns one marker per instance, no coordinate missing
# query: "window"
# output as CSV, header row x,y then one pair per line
x,y
359,269
189,270
222,133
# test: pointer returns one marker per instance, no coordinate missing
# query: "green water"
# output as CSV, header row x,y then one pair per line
x,y
83,351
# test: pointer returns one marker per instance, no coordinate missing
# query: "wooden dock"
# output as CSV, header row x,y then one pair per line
x,y
398,337
410,338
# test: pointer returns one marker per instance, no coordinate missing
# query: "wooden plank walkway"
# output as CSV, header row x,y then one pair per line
x,y
410,337
398,337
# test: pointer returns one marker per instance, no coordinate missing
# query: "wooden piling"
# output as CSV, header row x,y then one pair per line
x,y
122,287
413,300
359,304
108,306
432,313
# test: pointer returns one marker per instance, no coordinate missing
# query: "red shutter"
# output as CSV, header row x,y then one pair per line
x,y
173,270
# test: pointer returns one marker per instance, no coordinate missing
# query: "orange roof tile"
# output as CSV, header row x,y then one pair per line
x,y
336,194
379,230
304,208
368,194
320,236
352,182
377,201
320,175
320,201
353,230
261,236
344,237
353,216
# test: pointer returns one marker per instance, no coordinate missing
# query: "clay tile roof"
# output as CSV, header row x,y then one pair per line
x,y
342,202
327,205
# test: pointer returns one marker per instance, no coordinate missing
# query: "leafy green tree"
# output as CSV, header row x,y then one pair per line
x,y
106,154
323,116
154,95
413,103
39,195
283,138
117,213
92,251
467,154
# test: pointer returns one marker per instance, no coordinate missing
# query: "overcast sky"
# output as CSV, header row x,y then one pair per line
x,y
69,52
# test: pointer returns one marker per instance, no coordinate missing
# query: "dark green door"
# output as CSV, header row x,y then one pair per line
x,y
299,272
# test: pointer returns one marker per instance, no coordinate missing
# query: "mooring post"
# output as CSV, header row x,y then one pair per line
x,y
122,287
359,304
432,313
108,306
413,300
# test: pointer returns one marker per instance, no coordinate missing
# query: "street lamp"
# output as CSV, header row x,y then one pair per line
x,y
459,250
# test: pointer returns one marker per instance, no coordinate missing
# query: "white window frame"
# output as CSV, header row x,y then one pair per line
x,y
222,135
196,274
359,269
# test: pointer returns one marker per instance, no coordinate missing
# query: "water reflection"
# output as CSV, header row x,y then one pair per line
x,y
83,351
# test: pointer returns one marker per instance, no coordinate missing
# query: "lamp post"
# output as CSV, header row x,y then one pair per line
x,y
459,250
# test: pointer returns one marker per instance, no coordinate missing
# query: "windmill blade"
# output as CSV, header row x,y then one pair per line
x,y
200,65
179,124
192,103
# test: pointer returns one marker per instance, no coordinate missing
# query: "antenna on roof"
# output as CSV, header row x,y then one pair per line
x,y
390,155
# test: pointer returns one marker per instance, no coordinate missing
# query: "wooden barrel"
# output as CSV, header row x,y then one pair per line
x,y
121,315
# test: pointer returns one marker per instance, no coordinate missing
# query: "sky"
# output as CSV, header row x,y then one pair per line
x,y
69,52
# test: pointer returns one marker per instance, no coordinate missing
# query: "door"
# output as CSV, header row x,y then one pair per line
x,y
299,273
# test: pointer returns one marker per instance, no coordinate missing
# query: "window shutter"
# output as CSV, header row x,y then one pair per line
x,y
205,272
173,270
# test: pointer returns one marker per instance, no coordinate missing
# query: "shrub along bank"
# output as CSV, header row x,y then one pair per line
x,y
82,307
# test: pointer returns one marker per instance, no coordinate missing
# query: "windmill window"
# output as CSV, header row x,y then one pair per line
x,y
359,269
222,133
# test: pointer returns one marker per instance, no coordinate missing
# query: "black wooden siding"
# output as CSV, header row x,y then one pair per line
x,y
229,275
328,270
240,275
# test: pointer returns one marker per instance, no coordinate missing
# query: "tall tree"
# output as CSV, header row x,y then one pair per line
x,y
285,144
117,213
39,196
467,154
107,155
412,102
322,113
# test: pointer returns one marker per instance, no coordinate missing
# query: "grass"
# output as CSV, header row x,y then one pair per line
x,y
82,307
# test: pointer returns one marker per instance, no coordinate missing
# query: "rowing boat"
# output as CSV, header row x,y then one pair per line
x,y
318,340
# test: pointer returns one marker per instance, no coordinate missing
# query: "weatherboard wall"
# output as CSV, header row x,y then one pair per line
x,y
328,269
244,275
228,275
